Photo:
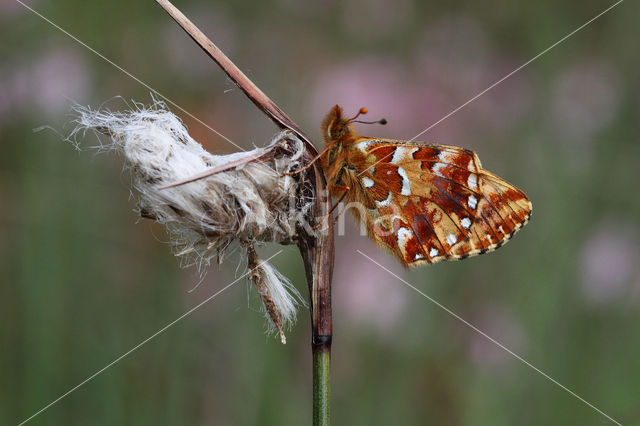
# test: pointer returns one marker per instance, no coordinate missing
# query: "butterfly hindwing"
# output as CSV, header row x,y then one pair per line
x,y
427,203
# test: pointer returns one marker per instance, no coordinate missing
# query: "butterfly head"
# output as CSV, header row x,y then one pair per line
x,y
339,136
336,127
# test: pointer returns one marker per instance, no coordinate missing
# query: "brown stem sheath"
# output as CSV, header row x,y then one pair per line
x,y
316,248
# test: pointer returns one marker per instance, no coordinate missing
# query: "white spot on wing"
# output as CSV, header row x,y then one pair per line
x,y
402,153
362,146
451,239
445,156
472,201
384,202
406,183
466,222
398,155
404,235
419,256
368,183
472,181
433,252
437,167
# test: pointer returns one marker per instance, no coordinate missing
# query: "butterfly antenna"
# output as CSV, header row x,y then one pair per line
x,y
381,121
363,111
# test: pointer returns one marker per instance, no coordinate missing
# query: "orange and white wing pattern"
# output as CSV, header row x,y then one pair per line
x,y
428,203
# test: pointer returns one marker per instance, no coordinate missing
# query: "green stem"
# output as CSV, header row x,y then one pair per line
x,y
321,384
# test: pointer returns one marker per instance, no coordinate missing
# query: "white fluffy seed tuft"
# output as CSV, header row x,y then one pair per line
x,y
284,295
253,202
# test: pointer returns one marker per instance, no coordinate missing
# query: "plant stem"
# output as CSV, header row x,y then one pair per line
x,y
321,384
316,248
318,255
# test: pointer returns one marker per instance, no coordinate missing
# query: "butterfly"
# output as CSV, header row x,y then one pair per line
x,y
423,203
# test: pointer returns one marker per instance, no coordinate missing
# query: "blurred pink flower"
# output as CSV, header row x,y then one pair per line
x,y
499,323
454,52
586,98
505,105
456,63
608,261
453,63
60,77
369,296
51,84
382,85
10,8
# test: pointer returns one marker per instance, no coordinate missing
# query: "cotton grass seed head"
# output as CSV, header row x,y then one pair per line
x,y
252,202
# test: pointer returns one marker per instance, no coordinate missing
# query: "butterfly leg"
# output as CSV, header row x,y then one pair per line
x,y
310,163
325,217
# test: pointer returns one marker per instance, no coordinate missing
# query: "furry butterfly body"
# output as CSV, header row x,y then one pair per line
x,y
423,203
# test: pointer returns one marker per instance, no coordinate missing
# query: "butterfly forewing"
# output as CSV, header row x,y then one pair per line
x,y
427,203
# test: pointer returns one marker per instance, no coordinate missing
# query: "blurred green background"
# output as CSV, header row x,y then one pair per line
x,y
83,281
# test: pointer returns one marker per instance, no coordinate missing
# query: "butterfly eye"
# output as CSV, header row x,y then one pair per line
x,y
339,129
